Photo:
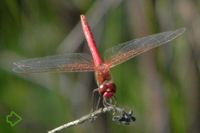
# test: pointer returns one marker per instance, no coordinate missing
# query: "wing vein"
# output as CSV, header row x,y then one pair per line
x,y
125,51
75,62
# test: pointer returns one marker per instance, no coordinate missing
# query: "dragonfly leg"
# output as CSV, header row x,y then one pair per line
x,y
98,102
93,93
114,100
109,101
92,107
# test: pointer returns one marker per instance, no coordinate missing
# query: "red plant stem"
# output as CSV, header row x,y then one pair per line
x,y
90,40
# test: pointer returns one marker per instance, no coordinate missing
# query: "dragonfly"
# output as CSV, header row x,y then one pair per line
x,y
83,62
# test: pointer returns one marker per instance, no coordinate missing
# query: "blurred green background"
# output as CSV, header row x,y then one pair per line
x,y
162,86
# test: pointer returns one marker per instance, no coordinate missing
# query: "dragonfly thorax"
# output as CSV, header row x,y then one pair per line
x,y
102,74
107,89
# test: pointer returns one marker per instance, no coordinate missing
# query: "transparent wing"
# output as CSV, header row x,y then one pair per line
x,y
125,51
76,62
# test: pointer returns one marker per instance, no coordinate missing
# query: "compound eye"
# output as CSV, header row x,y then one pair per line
x,y
111,87
101,86
102,89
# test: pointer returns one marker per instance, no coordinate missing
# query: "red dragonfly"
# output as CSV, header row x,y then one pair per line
x,y
81,62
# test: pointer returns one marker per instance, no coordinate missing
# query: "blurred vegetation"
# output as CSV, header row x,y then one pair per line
x,y
162,86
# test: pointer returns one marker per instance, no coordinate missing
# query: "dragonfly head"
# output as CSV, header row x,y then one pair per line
x,y
107,89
